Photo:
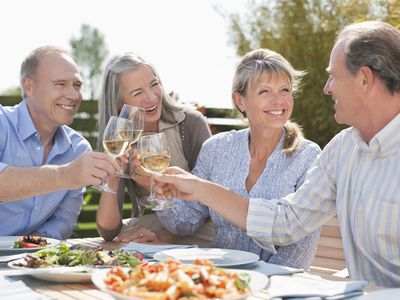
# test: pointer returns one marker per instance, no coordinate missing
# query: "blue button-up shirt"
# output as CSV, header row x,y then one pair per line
x,y
53,214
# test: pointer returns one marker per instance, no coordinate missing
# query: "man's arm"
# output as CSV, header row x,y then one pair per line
x,y
90,168
183,185
269,222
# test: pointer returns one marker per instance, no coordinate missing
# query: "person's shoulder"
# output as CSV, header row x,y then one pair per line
x,y
79,143
227,137
3,111
9,114
309,146
342,137
192,114
8,110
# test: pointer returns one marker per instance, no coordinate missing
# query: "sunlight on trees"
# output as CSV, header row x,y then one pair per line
x,y
89,51
304,32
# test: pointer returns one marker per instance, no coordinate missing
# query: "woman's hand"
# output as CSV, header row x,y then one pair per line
x,y
138,234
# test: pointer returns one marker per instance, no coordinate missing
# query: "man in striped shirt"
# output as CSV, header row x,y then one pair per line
x,y
357,176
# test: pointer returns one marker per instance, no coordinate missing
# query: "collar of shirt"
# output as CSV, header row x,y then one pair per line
x,y
384,142
27,128
24,124
179,117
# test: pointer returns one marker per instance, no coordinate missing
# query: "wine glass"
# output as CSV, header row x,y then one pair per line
x,y
136,116
155,157
117,137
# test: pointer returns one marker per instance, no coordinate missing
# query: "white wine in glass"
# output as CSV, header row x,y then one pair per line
x,y
155,162
114,143
136,116
155,157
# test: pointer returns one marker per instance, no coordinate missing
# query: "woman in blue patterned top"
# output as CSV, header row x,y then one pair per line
x,y
267,160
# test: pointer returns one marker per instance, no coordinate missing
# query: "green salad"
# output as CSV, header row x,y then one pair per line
x,y
62,255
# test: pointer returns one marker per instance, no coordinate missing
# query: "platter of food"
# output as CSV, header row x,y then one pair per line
x,y
62,256
173,280
26,243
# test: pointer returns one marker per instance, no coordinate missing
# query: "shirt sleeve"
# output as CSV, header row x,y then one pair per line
x,y
61,224
3,139
197,132
287,220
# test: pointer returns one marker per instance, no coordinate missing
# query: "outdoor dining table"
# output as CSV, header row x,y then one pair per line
x,y
87,291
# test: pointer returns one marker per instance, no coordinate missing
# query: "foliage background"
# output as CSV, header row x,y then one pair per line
x,y
304,32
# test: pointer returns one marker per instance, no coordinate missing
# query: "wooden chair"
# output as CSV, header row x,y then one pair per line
x,y
329,258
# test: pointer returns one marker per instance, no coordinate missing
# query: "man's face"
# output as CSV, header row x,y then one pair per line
x,y
343,88
54,92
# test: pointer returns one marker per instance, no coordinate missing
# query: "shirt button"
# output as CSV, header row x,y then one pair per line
x,y
38,148
36,207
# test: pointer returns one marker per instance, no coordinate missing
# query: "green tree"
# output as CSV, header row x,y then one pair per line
x,y
89,51
304,32
12,91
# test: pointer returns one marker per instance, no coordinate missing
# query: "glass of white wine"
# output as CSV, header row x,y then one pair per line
x,y
116,141
136,116
155,157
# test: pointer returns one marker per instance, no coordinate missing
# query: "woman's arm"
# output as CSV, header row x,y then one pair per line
x,y
108,217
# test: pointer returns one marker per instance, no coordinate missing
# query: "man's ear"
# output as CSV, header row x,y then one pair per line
x,y
366,78
27,85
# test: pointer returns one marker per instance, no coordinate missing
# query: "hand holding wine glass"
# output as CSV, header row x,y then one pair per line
x,y
155,157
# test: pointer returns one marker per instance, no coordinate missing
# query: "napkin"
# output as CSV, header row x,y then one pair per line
x,y
148,250
15,290
270,269
313,287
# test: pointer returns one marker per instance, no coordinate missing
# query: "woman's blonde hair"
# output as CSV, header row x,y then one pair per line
x,y
251,67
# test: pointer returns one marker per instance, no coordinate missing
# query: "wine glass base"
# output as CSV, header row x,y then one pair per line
x,y
162,206
103,187
123,175
155,203
148,202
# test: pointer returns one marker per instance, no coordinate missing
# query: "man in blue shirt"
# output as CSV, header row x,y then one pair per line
x,y
44,164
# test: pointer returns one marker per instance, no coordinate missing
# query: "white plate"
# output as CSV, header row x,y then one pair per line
x,y
258,281
387,294
7,243
220,257
56,277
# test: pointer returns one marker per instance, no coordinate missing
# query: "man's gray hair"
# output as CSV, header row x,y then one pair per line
x,y
374,44
30,64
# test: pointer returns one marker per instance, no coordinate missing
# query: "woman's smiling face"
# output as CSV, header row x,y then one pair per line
x,y
141,88
269,101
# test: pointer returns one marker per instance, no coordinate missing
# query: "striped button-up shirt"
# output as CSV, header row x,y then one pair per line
x,y
358,181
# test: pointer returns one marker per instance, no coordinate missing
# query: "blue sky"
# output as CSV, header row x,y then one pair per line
x,y
186,40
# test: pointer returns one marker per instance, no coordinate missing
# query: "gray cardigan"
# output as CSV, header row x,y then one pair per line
x,y
194,130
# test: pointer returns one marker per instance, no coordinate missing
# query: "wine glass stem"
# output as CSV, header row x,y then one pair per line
x,y
152,195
